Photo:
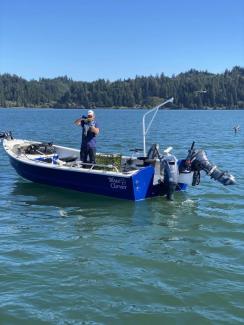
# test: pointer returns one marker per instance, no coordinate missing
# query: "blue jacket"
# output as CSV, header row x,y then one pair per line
x,y
88,137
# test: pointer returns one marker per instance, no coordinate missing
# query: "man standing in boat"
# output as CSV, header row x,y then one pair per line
x,y
90,130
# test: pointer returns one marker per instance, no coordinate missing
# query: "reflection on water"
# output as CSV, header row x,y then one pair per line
x,y
55,196
71,203
82,205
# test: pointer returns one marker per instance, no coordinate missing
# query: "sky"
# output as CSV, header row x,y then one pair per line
x,y
119,39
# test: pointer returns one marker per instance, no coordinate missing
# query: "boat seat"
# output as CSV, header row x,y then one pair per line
x,y
148,162
142,158
68,158
152,154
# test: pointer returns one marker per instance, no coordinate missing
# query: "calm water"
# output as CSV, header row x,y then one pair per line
x,y
72,258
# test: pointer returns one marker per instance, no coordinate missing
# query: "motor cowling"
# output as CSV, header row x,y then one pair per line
x,y
169,172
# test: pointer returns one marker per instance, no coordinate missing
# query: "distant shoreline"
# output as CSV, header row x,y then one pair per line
x,y
190,90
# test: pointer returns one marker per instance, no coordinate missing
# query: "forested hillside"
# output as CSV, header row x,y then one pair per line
x,y
192,89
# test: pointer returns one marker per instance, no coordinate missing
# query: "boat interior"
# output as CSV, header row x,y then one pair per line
x,y
69,157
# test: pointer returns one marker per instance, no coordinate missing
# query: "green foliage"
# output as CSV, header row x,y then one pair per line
x,y
192,89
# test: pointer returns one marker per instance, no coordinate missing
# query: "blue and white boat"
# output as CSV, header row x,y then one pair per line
x,y
135,177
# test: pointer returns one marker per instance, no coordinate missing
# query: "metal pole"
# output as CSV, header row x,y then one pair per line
x,y
144,129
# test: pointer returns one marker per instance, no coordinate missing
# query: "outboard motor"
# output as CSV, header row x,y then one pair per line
x,y
197,160
170,173
6,135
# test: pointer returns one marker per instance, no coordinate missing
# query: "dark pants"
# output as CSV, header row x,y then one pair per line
x,y
86,152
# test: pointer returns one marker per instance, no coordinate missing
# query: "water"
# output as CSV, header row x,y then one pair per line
x,y
72,258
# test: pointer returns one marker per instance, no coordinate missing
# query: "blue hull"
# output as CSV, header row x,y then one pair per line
x,y
136,187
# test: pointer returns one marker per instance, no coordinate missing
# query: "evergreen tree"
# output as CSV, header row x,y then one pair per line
x,y
192,89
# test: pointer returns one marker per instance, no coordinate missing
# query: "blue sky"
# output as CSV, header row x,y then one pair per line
x,y
112,39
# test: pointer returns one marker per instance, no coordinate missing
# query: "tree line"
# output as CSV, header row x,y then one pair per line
x,y
192,89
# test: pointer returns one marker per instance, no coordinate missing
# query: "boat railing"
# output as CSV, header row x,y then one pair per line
x,y
76,164
93,166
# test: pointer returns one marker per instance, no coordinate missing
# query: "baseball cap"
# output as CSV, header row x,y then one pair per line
x,y
90,112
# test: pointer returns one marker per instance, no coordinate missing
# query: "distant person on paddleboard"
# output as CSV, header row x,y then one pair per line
x,y
90,130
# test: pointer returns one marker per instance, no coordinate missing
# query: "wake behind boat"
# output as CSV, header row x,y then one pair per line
x,y
132,177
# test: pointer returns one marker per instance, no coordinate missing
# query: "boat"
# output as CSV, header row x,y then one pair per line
x,y
143,174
